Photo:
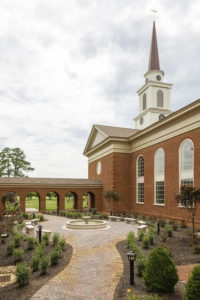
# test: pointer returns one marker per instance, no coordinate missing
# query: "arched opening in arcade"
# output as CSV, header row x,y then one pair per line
x,y
52,201
88,200
11,202
71,200
32,202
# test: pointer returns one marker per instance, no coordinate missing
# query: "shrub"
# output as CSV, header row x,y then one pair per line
x,y
162,223
63,213
164,238
45,238
130,238
10,247
30,217
62,243
100,216
58,249
17,253
168,230
44,263
40,250
40,217
151,238
35,261
140,264
17,239
22,273
56,238
54,257
145,242
15,230
140,235
31,241
192,291
160,273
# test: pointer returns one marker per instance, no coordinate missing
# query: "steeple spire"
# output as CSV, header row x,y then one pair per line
x,y
154,57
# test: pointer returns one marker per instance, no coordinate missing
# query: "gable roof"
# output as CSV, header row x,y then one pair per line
x,y
108,132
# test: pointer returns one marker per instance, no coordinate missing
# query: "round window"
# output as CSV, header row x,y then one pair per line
x,y
98,168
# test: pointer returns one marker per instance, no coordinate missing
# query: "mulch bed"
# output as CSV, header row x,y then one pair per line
x,y
12,291
181,253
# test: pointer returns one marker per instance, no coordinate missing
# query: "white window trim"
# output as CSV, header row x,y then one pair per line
x,y
158,178
185,174
138,179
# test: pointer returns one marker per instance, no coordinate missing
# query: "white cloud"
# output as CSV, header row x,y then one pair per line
x,y
65,65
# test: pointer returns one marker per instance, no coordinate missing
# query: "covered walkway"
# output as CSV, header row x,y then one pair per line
x,y
59,186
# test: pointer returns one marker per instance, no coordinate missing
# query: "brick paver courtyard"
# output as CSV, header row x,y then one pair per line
x,y
95,268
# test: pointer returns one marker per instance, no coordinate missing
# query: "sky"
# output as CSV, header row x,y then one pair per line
x,y
66,65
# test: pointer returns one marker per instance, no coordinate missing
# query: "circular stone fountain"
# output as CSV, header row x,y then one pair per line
x,y
86,223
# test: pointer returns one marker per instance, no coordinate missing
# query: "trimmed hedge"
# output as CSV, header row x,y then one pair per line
x,y
192,288
160,273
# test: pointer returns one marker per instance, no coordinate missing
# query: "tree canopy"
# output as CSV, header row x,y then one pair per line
x,y
13,163
111,196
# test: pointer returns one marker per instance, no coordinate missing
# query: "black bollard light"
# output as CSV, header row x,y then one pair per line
x,y
158,227
40,233
131,257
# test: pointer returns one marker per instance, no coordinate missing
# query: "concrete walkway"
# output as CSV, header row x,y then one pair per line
x,y
95,268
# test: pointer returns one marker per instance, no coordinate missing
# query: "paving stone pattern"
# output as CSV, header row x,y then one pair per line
x,y
95,268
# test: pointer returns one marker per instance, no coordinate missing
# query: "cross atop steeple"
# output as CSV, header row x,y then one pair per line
x,y
154,57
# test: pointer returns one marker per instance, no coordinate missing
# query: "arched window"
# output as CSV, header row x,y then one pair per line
x,y
140,179
160,99
144,101
186,159
159,181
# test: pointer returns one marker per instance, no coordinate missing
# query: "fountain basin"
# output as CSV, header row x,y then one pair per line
x,y
82,225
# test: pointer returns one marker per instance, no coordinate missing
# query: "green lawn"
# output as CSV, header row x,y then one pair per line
x,y
52,204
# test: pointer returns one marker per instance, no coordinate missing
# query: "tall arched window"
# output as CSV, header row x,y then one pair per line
x,y
159,180
140,179
160,99
186,166
144,101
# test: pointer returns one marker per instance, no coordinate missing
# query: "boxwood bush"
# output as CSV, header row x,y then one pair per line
x,y
45,239
22,273
44,264
160,273
192,288
145,242
168,230
31,242
56,238
10,247
17,239
54,257
35,261
18,253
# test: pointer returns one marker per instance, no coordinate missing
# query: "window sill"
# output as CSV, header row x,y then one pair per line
x,y
140,203
159,204
181,206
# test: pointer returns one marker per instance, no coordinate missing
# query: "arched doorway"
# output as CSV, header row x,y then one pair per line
x,y
71,200
32,201
52,201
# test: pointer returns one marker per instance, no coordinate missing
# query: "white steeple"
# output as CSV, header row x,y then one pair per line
x,y
154,95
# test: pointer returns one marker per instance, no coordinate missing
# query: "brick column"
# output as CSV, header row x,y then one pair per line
x,y
22,201
42,203
61,200
79,200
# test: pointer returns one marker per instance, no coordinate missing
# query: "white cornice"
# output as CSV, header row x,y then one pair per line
x,y
154,83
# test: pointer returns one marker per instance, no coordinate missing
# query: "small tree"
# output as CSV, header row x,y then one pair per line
x,y
189,197
111,196
10,202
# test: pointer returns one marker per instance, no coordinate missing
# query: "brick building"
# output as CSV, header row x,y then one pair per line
x,y
147,165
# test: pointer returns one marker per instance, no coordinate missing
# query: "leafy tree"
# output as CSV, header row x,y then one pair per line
x,y
13,163
189,197
111,196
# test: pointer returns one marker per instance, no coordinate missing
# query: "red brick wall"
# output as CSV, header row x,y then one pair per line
x,y
119,173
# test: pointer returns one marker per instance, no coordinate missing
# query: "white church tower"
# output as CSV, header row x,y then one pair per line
x,y
155,94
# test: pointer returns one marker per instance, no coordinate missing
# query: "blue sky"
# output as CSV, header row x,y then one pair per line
x,y
65,65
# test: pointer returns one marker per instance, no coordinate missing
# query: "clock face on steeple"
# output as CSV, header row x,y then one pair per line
x,y
158,77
